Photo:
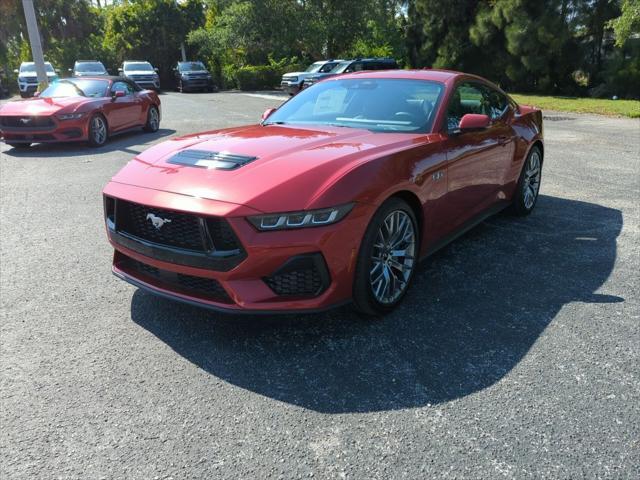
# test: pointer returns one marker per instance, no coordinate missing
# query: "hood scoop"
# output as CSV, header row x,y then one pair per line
x,y
207,159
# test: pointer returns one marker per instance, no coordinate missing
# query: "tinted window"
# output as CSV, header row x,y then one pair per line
x,y
409,105
327,67
467,98
76,88
190,66
122,86
31,68
314,67
144,66
90,67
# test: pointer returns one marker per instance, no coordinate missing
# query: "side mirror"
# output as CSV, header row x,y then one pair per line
x,y
120,70
156,69
118,94
474,121
70,69
267,113
16,71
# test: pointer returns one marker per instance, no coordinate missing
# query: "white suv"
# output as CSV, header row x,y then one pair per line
x,y
28,77
292,82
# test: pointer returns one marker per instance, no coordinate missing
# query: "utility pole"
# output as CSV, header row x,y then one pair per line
x,y
34,40
184,55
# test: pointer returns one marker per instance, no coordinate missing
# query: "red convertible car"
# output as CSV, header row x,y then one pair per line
x,y
80,109
333,198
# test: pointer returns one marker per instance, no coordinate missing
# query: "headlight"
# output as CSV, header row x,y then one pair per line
x,y
70,116
292,79
185,76
304,219
22,79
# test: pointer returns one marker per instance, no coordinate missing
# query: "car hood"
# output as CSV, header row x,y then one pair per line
x,y
140,72
293,165
189,72
297,74
42,106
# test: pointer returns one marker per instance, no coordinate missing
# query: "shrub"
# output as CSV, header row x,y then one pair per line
x,y
257,77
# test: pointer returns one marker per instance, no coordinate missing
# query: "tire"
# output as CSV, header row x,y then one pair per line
x,y
24,95
180,86
526,195
153,120
98,130
19,145
375,259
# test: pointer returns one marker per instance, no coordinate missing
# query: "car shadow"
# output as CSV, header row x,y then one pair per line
x,y
474,311
132,142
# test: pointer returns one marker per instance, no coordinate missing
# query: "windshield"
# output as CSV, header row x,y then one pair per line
x,y
341,67
314,67
408,106
189,66
76,88
31,68
89,67
142,66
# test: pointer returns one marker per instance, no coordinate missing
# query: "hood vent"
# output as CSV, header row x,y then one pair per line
x,y
207,159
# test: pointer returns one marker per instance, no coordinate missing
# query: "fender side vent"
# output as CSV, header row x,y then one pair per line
x,y
206,159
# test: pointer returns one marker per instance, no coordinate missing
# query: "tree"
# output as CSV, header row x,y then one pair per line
x,y
628,23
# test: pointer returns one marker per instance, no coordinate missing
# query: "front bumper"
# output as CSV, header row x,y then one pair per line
x,y
148,85
197,83
59,131
249,285
291,88
27,87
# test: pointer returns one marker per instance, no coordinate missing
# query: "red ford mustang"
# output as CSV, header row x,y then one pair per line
x,y
334,197
80,109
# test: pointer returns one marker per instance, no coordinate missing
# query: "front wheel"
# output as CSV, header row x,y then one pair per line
x,y
526,194
153,120
98,132
387,259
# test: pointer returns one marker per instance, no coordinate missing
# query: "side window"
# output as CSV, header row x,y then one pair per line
x,y
327,67
355,67
121,87
498,104
467,98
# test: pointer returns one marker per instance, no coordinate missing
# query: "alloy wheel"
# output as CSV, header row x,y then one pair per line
x,y
99,129
393,258
531,180
154,119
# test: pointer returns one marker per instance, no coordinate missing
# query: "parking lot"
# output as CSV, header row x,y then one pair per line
x,y
515,354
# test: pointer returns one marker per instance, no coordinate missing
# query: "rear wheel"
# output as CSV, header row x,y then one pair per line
x,y
526,194
153,120
98,131
19,145
387,258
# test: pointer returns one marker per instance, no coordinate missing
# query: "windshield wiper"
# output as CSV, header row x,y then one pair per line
x,y
274,123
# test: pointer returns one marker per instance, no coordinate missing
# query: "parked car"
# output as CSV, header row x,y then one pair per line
x,y
88,68
333,198
28,77
191,76
80,109
142,73
349,66
292,82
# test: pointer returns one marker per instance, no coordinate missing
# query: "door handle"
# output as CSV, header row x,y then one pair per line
x,y
503,140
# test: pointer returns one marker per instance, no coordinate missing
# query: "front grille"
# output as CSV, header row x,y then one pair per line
x,y
208,288
301,276
142,78
176,229
26,121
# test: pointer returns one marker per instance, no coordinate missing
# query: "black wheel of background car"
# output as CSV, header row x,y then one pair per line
x,y
211,89
24,95
153,120
19,145
180,87
526,194
387,259
98,131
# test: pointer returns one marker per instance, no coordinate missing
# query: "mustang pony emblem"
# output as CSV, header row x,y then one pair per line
x,y
25,120
157,221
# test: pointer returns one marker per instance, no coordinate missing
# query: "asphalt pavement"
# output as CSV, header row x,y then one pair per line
x,y
515,354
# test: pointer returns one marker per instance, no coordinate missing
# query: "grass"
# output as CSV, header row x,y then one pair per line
x,y
624,108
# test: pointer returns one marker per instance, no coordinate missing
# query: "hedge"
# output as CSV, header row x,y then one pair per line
x,y
257,77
